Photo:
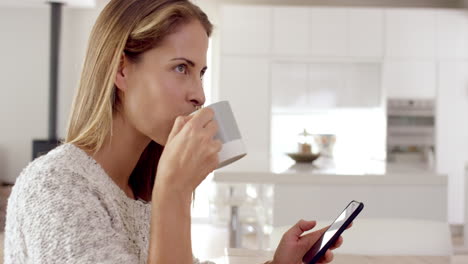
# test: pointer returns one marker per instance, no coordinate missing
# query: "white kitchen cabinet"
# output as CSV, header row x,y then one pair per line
x,y
452,34
366,27
326,81
452,131
328,31
334,32
244,83
289,87
302,88
349,85
410,33
246,29
363,86
290,30
410,79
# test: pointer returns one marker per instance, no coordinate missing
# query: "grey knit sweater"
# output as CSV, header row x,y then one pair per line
x,y
64,208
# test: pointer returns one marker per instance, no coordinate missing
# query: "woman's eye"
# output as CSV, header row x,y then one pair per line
x,y
202,74
182,68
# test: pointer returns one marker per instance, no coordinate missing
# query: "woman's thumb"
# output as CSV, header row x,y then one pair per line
x,y
301,227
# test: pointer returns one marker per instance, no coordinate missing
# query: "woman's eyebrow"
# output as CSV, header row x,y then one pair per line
x,y
189,62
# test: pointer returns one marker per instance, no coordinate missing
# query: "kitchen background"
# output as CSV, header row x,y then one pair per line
x,y
388,79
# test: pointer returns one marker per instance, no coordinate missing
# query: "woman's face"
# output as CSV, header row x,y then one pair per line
x,y
165,83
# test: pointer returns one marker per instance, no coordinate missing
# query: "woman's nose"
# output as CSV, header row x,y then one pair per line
x,y
198,95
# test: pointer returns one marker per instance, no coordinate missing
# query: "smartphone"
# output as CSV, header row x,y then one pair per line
x,y
333,232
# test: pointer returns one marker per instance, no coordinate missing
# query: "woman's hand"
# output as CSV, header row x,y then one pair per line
x,y
189,156
190,153
293,246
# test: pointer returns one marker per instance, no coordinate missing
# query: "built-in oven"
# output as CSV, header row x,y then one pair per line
x,y
410,131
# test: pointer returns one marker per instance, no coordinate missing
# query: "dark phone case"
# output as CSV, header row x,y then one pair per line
x,y
337,234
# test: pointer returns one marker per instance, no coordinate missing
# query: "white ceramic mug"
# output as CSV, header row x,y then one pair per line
x,y
228,133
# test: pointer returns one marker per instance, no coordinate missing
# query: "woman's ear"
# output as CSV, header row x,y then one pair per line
x,y
121,79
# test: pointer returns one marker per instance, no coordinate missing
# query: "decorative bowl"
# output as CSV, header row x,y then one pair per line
x,y
303,157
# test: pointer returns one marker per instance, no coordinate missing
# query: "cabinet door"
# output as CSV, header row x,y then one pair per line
x,y
452,34
410,33
338,85
363,86
245,29
289,87
410,79
366,27
326,81
244,83
290,30
328,31
452,131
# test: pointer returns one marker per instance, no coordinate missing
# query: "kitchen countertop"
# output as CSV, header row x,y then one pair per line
x,y
325,165
328,171
379,184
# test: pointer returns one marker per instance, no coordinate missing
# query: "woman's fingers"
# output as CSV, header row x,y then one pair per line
x,y
213,158
202,117
217,146
212,128
311,238
327,258
337,244
179,123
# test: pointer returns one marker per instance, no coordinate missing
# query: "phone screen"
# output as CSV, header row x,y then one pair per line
x,y
330,236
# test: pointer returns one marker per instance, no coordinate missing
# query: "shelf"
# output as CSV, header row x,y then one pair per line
x,y
406,130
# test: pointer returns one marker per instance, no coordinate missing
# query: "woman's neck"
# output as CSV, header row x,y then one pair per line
x,y
120,154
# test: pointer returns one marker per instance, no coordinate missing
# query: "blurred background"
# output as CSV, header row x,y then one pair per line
x,y
336,100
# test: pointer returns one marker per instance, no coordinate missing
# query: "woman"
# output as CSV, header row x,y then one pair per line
x,y
119,190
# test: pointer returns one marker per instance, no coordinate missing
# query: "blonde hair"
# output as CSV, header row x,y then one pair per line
x,y
129,27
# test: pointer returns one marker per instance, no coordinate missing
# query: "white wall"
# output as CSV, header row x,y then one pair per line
x,y
29,3
24,78
23,85
77,25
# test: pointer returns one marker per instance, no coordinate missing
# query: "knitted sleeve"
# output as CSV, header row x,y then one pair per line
x,y
62,222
